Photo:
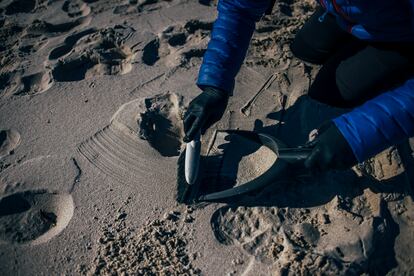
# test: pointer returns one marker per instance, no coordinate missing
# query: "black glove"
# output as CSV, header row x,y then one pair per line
x,y
203,111
330,150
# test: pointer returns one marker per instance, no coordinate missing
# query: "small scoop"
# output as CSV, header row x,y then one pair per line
x,y
192,160
277,170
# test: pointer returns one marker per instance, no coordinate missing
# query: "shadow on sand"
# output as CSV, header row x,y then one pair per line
x,y
304,190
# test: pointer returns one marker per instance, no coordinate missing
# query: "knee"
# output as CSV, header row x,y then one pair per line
x,y
334,88
350,92
344,90
304,51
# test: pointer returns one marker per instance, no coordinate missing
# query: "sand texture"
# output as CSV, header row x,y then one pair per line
x,y
92,95
251,159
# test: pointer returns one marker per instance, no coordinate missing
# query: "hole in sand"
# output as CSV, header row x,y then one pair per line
x,y
40,27
17,6
76,8
34,216
35,83
3,137
177,39
13,204
194,53
150,52
67,46
205,2
9,140
4,80
74,70
161,124
161,137
242,159
191,57
193,25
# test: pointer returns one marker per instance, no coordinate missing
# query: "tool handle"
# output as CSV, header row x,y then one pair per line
x,y
196,139
192,159
294,154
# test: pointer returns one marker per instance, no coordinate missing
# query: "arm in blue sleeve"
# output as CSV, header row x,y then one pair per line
x,y
229,42
381,122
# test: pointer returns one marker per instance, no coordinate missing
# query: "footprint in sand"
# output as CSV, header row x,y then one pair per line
x,y
14,83
302,218
178,44
76,8
31,43
34,217
92,53
139,6
78,15
19,41
9,140
140,132
33,38
34,84
7,83
23,6
22,41
44,28
10,33
68,44
282,235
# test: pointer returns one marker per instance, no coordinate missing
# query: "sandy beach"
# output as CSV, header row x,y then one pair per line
x,y
92,95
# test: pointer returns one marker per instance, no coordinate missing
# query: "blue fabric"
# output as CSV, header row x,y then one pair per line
x,y
379,123
384,20
229,42
379,20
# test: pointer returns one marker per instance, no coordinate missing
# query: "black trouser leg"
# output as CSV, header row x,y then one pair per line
x,y
318,39
353,71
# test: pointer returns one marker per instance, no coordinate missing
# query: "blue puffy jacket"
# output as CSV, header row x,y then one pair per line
x,y
370,128
379,20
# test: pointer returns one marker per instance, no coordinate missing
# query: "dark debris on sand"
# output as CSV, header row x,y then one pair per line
x,y
158,248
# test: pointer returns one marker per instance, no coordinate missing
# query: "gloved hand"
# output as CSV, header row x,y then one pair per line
x,y
330,150
203,111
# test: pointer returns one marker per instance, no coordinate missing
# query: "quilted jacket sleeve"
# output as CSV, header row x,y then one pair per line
x,y
229,42
381,122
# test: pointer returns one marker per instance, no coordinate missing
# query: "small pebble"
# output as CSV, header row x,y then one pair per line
x,y
189,219
326,219
189,210
237,261
122,216
174,216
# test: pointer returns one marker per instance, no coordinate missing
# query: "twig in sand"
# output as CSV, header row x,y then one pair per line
x,y
246,109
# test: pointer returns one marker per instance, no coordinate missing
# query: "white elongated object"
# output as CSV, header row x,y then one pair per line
x,y
192,159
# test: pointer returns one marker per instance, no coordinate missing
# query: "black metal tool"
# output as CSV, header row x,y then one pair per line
x,y
192,193
285,156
